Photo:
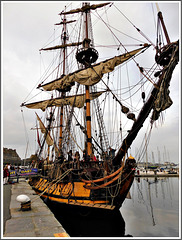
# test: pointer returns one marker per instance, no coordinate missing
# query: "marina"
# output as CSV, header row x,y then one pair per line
x,y
157,174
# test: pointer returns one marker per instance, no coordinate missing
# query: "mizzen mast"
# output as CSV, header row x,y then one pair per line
x,y
64,37
64,45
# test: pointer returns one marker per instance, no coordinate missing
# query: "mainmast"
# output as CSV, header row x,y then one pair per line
x,y
88,116
87,56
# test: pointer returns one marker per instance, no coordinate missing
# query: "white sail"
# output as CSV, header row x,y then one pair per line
x,y
76,101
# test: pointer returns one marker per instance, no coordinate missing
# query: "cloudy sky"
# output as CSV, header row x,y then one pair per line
x,y
26,26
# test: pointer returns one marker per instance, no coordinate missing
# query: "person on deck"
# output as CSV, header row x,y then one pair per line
x,y
61,158
70,158
84,155
77,160
112,152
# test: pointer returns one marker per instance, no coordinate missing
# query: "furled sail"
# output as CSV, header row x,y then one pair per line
x,y
163,100
65,22
85,8
76,101
49,139
61,46
91,75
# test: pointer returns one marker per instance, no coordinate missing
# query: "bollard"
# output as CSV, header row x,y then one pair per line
x,y
25,202
26,206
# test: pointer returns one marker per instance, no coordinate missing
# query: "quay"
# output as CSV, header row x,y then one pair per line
x,y
37,222
157,175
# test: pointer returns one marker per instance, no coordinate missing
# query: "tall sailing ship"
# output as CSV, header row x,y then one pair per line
x,y
93,113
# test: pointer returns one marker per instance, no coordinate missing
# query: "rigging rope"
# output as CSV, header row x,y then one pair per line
x,y
136,27
26,133
140,68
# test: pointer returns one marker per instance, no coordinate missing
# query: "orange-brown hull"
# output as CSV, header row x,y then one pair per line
x,y
74,193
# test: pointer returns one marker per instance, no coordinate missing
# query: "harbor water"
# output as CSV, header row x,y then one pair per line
x,y
152,211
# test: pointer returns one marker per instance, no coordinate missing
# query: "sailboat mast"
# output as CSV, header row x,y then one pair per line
x,y
64,37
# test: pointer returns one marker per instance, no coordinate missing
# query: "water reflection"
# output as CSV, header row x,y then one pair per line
x,y
90,223
153,210
150,199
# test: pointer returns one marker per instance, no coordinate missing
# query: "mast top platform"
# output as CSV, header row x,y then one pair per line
x,y
87,55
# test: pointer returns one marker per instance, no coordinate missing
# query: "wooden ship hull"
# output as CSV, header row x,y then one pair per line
x,y
74,190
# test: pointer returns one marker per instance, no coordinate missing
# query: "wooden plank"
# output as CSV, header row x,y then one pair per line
x,y
96,205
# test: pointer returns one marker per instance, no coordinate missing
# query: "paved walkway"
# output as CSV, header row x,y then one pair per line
x,y
37,222
6,203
